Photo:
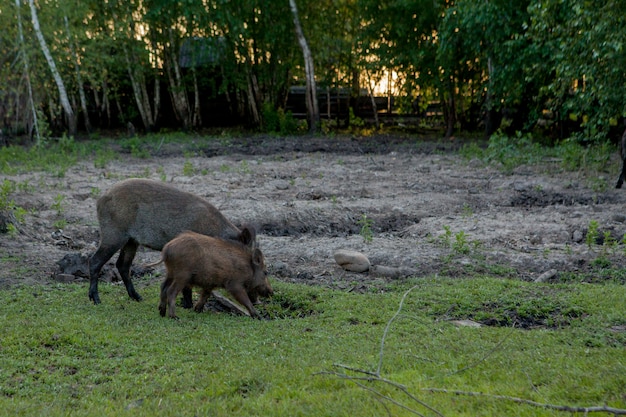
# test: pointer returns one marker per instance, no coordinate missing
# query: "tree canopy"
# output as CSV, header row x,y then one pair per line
x,y
488,64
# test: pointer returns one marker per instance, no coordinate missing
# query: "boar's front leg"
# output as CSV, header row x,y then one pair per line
x,y
241,296
96,262
127,254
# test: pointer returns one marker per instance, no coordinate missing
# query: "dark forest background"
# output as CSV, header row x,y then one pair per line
x,y
77,67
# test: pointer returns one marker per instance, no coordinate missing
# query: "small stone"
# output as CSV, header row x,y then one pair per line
x,y
546,276
280,184
64,278
352,260
577,236
466,323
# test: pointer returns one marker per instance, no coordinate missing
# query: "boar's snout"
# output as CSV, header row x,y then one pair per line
x,y
262,285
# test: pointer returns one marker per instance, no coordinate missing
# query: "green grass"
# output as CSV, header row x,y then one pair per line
x,y
61,355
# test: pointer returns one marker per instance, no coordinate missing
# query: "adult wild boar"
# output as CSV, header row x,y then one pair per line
x,y
149,213
192,259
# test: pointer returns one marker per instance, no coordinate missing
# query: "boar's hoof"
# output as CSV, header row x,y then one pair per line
x,y
94,297
134,295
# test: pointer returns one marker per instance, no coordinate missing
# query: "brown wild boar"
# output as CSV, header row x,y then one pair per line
x,y
192,259
149,213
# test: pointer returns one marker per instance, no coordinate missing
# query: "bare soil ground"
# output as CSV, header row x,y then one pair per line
x,y
431,211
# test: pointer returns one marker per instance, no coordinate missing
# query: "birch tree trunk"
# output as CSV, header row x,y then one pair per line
x,y
27,71
65,102
79,78
140,92
313,113
177,86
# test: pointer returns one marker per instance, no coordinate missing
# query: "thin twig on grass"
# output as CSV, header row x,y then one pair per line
x,y
567,408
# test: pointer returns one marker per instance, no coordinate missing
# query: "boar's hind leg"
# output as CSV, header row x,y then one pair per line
x,y
171,292
96,262
187,301
204,295
165,285
127,254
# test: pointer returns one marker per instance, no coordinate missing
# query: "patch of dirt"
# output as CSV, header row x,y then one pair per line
x,y
429,211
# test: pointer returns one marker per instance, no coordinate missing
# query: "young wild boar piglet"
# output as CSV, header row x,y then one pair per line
x,y
150,213
192,259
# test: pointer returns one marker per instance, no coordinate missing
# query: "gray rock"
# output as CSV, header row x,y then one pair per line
x,y
577,236
546,276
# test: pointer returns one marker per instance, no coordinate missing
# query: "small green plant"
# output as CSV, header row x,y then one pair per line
x,y
460,244
366,228
446,238
20,214
609,243
58,203
12,230
188,169
244,167
592,234
161,171
60,224
224,168
467,210
6,188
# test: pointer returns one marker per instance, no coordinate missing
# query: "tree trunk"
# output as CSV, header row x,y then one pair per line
x,y
370,91
79,78
450,106
177,87
313,113
253,98
27,71
140,92
65,102
489,111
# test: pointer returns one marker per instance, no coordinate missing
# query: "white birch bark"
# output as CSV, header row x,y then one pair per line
x,y
313,113
27,72
65,102
79,78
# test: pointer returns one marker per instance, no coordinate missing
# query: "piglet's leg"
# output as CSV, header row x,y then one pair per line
x,y
204,295
242,297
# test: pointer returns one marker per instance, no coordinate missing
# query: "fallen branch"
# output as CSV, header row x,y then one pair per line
x,y
566,408
373,377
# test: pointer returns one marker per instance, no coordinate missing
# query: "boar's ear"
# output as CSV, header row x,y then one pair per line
x,y
257,257
247,236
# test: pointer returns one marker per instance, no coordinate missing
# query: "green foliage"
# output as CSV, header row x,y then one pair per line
x,y
278,121
511,152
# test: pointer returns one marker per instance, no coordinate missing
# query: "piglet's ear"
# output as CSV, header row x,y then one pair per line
x,y
248,236
257,257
